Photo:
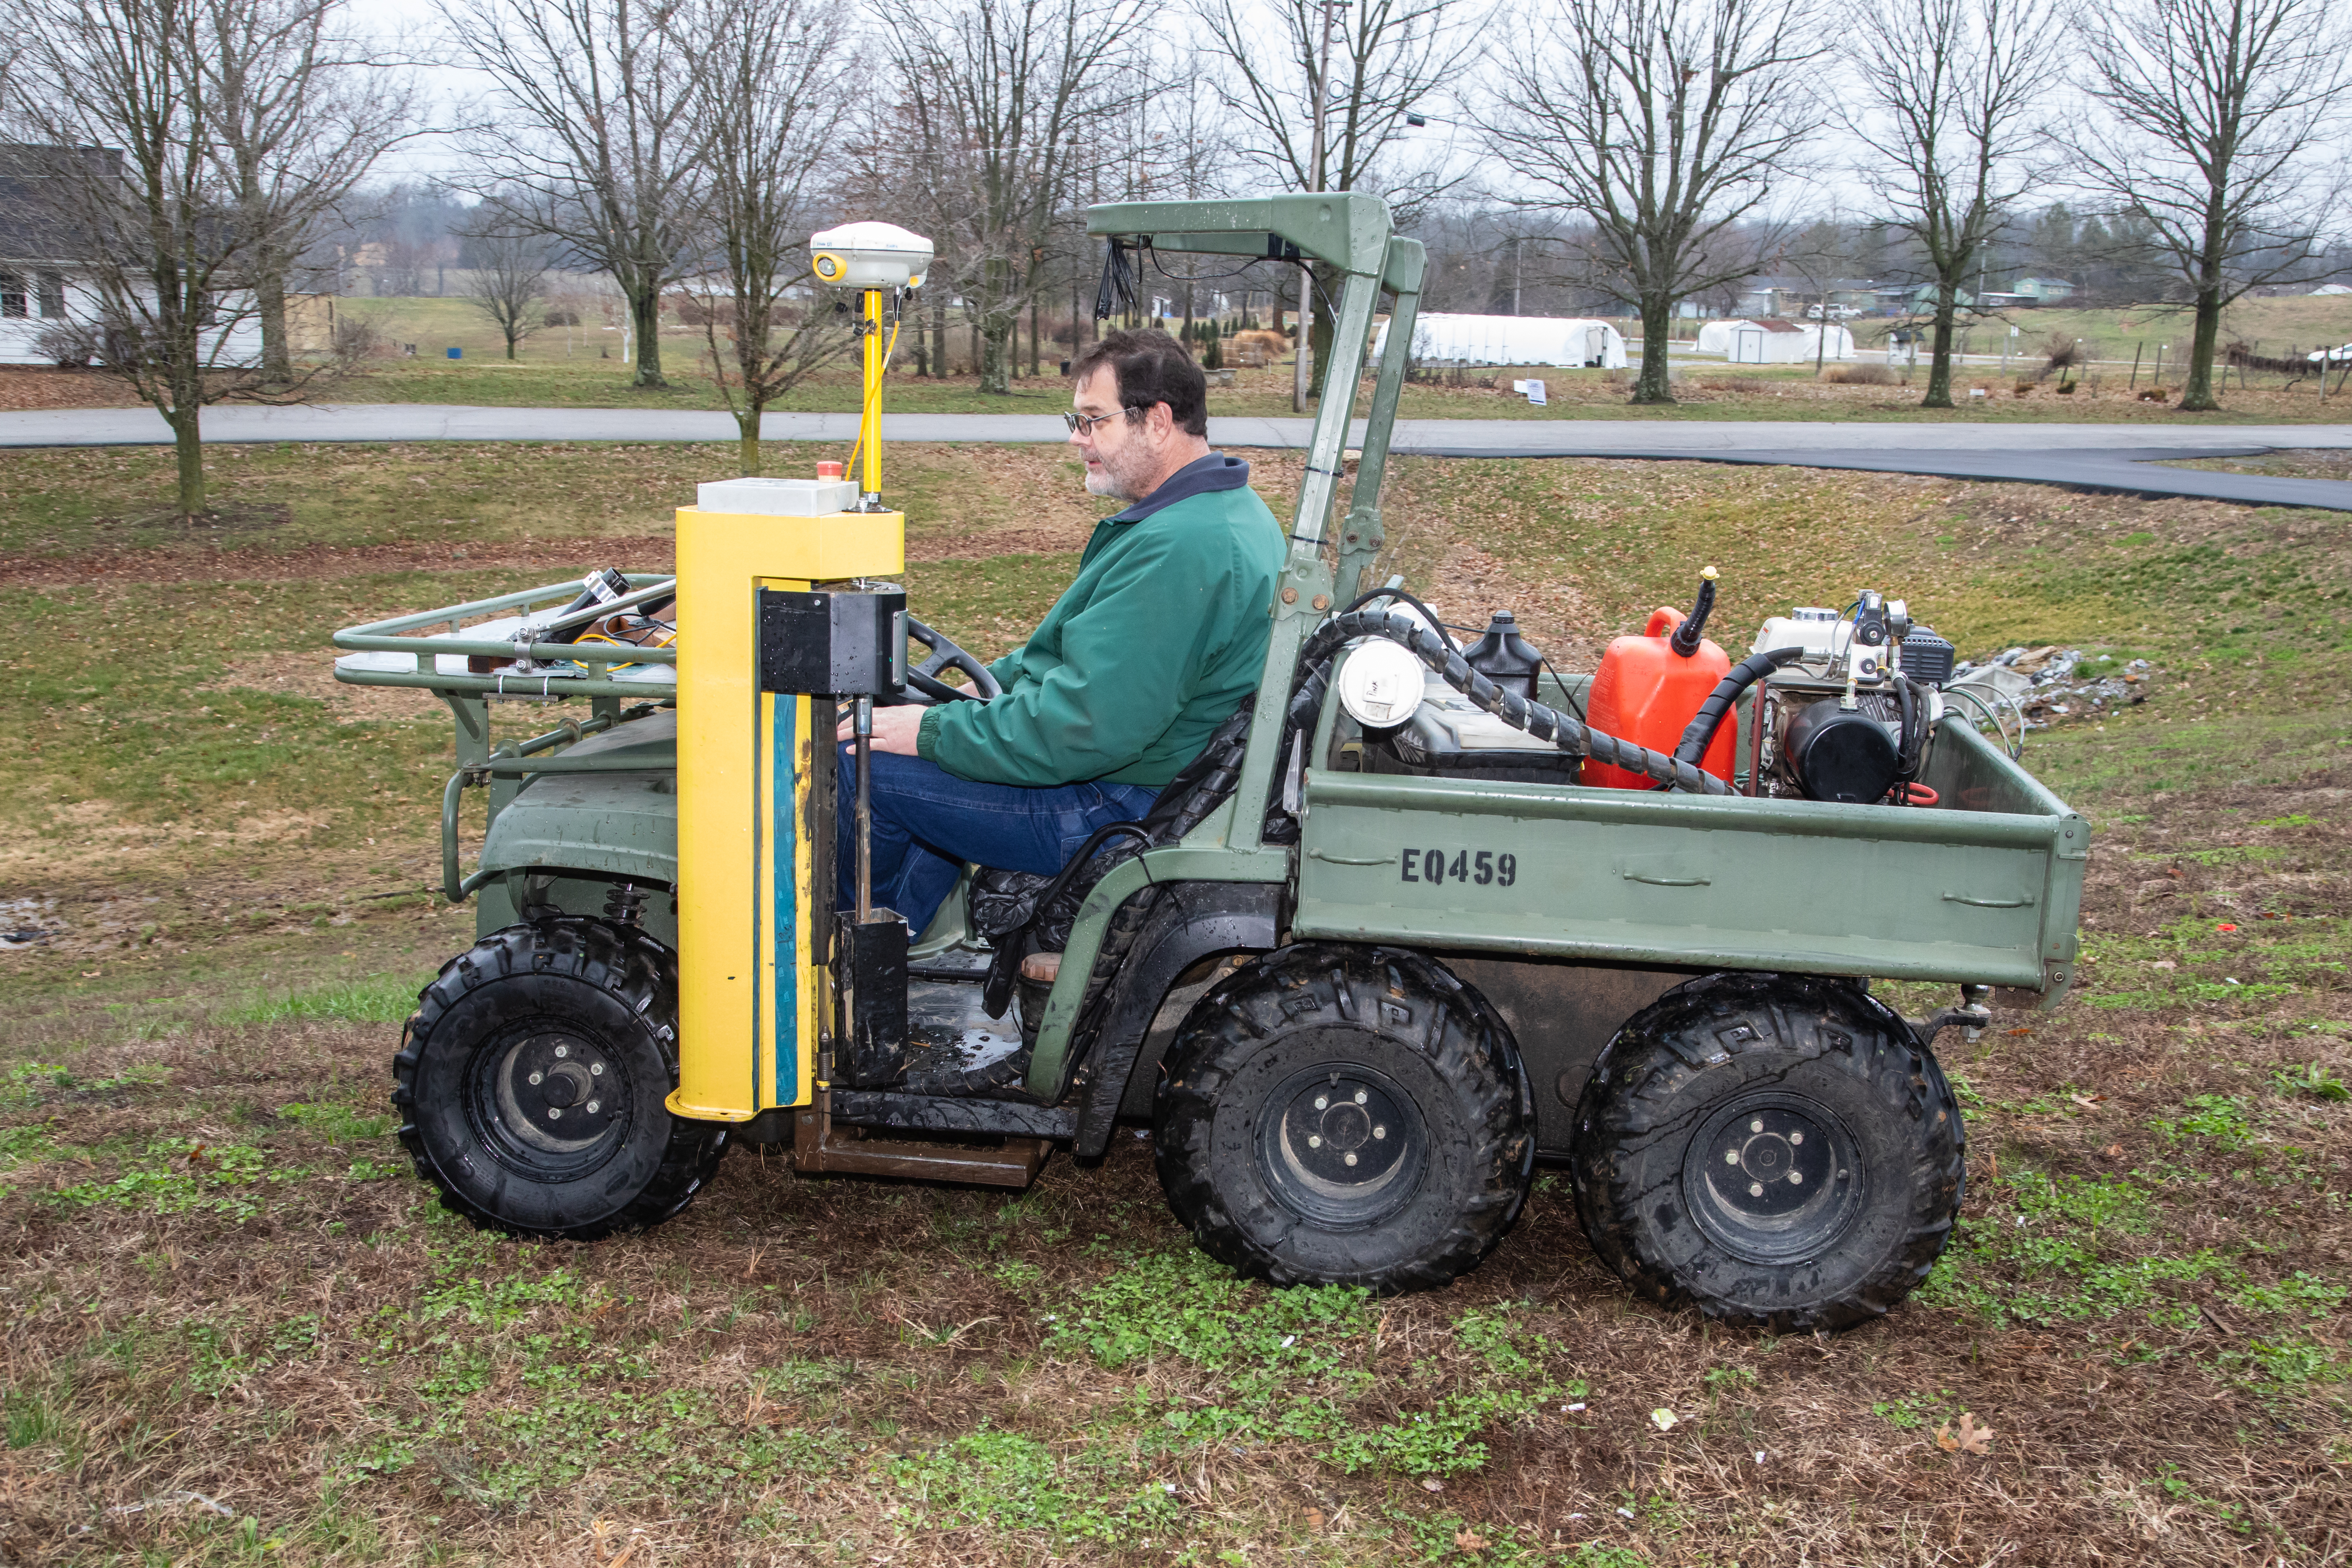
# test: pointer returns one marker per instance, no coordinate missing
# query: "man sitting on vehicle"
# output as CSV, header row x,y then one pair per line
x,y
1154,644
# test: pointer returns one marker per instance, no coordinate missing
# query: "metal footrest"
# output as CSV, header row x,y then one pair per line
x,y
820,1148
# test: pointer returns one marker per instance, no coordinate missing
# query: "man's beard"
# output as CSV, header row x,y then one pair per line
x,y
1119,479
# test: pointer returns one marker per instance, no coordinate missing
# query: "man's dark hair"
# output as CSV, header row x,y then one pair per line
x,y
1150,367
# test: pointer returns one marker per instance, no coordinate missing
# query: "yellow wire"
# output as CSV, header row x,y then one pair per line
x,y
616,642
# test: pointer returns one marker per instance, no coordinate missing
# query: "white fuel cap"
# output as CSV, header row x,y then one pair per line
x,y
1380,683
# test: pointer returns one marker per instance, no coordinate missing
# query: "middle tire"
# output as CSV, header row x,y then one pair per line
x,y
1339,1115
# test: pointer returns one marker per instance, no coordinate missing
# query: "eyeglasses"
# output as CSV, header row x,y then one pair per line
x,y
1084,424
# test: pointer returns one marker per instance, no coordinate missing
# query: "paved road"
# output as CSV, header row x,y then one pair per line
x,y
2087,456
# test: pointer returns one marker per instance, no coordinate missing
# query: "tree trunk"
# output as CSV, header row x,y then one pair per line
x,y
992,328
1939,361
746,426
187,442
645,310
1322,331
1657,323
1000,345
1033,339
269,303
2197,393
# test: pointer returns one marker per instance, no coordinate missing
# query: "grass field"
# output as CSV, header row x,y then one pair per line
x,y
2300,322
560,370
2304,321
237,1329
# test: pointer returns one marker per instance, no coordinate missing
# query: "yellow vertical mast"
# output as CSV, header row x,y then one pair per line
x,y
869,428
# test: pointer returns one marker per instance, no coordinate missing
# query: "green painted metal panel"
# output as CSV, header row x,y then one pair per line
x,y
620,824
1650,877
1345,228
624,825
1197,859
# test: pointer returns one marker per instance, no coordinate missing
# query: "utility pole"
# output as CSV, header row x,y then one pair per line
x,y
1322,86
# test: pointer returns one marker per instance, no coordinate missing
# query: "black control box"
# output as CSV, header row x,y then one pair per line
x,y
834,643
1927,657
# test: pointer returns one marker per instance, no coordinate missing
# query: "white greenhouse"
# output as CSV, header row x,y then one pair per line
x,y
1443,339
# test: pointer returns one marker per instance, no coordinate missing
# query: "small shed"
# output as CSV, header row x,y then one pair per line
x,y
1769,340
1443,339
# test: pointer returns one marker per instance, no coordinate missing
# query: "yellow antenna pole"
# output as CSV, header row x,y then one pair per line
x,y
869,429
874,258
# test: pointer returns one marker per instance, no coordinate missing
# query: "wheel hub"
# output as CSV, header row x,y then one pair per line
x,y
555,1094
1343,1145
1773,1178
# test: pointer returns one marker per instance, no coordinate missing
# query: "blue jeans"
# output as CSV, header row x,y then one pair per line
x,y
928,823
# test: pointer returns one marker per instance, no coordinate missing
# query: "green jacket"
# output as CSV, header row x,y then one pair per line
x,y
1151,647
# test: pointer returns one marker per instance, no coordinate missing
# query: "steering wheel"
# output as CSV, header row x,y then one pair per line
x,y
924,686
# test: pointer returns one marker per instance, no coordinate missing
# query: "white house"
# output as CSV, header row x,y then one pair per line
x,y
43,285
1441,339
1768,339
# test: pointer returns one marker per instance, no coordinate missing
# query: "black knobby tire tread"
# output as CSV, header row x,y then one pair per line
x,y
1642,1067
632,967
1475,1053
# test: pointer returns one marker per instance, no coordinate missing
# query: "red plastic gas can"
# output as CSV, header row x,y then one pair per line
x,y
1648,693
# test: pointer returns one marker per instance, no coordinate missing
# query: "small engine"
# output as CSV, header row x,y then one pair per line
x,y
1847,721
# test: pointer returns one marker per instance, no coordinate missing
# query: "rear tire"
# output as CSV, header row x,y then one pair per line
x,y
1345,1116
1778,1151
566,1017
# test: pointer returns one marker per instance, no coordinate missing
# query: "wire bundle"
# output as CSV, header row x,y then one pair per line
x,y
1317,655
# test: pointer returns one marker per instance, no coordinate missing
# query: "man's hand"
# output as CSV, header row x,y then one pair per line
x,y
894,729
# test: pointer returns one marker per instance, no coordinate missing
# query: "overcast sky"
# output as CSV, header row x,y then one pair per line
x,y
1825,186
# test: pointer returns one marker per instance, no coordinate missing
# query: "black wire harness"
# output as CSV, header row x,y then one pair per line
x,y
1312,683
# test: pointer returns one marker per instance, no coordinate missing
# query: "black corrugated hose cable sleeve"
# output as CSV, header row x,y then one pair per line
x,y
1743,675
1431,647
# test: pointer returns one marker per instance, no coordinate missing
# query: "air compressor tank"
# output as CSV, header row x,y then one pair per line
x,y
1650,687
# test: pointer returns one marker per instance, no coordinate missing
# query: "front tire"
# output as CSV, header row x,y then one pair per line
x,y
1778,1151
564,1018
1345,1116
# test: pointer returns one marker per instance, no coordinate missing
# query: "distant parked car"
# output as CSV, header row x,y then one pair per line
x,y
2331,356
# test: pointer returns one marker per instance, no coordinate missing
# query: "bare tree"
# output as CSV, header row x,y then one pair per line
x,y
301,112
1004,105
506,280
768,104
1664,124
1821,252
1370,65
594,147
116,112
2213,115
1950,109
1184,152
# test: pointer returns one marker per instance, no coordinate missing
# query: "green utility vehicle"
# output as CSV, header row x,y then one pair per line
x,y
1386,946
